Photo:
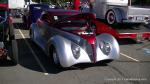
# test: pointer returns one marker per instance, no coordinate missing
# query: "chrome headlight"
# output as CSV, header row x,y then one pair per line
x,y
75,50
105,47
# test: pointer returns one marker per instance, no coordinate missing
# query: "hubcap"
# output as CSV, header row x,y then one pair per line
x,y
110,17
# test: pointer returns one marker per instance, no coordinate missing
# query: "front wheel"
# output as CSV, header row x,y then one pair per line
x,y
55,57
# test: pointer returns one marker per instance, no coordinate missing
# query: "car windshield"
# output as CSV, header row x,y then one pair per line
x,y
81,26
72,25
140,3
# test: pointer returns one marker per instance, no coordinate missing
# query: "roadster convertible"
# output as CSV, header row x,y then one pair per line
x,y
69,38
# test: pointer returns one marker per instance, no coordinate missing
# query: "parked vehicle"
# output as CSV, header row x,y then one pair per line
x,y
122,11
6,32
69,38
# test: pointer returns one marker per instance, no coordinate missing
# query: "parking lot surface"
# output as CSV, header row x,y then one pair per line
x,y
34,67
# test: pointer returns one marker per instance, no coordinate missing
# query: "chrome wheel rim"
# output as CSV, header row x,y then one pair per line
x,y
111,17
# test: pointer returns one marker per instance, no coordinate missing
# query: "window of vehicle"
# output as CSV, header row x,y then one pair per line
x,y
73,25
77,25
140,2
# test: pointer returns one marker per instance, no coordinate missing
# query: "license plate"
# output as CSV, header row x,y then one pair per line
x,y
140,18
139,37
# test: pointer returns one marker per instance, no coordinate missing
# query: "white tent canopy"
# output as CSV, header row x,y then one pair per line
x,y
16,4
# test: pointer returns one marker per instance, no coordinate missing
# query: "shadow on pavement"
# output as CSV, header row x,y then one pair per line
x,y
27,59
10,59
20,26
6,63
126,41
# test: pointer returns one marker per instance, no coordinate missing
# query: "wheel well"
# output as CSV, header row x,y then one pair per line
x,y
51,47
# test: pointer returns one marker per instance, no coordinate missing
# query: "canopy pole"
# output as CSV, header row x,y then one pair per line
x,y
76,4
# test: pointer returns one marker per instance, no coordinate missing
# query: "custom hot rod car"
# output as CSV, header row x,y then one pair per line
x,y
69,37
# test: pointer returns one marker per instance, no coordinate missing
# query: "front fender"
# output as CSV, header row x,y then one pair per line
x,y
63,49
115,50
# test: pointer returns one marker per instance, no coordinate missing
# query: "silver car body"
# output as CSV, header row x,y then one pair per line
x,y
46,36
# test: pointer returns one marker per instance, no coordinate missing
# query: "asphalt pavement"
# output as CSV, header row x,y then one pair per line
x,y
34,67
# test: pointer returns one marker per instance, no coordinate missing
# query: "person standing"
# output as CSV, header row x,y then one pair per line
x,y
91,4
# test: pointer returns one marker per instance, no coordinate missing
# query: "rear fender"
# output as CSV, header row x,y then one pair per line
x,y
119,13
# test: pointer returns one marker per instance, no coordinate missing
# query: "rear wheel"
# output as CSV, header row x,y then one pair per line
x,y
110,17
